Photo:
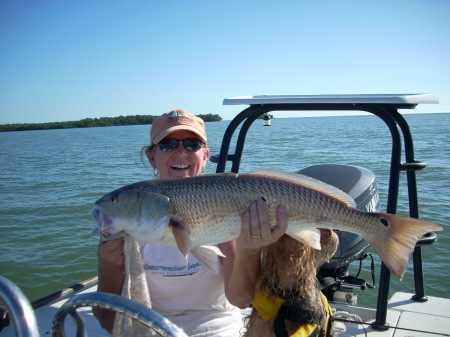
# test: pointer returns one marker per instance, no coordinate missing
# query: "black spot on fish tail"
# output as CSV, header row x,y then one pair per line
x,y
384,222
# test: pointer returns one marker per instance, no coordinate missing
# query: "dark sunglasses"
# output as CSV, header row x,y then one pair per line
x,y
187,144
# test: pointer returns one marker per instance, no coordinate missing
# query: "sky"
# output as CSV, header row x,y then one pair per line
x,y
74,59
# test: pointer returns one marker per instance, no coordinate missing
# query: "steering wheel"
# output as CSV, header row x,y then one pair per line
x,y
133,309
19,308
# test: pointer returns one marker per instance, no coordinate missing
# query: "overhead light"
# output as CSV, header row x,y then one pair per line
x,y
266,119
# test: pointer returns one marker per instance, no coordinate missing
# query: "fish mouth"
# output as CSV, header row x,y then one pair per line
x,y
104,227
103,220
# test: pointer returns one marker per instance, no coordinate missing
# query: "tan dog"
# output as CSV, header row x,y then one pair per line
x,y
288,276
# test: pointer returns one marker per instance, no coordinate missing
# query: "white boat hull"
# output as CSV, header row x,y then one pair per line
x,y
405,318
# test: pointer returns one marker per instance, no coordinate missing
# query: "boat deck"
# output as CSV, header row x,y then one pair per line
x,y
405,318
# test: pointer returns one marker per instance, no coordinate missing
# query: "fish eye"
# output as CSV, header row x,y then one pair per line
x,y
113,200
384,222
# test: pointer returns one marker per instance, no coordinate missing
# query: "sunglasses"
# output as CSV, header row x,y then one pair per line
x,y
187,144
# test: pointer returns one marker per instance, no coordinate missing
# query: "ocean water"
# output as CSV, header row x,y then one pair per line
x,y
50,179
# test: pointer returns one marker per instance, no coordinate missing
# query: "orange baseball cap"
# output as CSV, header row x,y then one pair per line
x,y
174,121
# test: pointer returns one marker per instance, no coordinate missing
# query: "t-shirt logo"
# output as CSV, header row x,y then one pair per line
x,y
175,271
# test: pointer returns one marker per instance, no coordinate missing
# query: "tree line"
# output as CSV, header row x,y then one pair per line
x,y
95,122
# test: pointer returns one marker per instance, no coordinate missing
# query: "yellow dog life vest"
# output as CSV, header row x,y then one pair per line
x,y
268,306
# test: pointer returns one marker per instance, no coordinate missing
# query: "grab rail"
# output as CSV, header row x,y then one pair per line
x,y
133,309
19,308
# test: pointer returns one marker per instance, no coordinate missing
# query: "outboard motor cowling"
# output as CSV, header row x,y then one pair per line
x,y
360,184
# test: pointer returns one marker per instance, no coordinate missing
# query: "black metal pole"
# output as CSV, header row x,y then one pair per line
x,y
394,182
411,166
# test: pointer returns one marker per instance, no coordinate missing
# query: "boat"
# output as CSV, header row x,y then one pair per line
x,y
408,313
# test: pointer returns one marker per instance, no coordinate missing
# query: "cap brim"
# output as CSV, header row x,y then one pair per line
x,y
172,129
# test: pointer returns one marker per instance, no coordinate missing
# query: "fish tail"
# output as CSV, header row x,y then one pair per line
x,y
400,239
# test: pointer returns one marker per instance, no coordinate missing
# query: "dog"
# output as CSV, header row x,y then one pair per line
x,y
287,299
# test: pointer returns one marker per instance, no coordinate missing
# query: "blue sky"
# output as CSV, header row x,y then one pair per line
x,y
73,59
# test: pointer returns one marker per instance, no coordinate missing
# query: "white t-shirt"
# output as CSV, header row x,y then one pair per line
x,y
188,294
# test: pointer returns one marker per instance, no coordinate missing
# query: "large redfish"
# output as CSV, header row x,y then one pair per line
x,y
197,212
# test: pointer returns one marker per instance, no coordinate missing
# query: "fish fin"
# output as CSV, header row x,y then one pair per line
x,y
398,244
305,181
181,235
207,255
309,236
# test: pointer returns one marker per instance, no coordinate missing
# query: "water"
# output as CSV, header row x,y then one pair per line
x,y
50,179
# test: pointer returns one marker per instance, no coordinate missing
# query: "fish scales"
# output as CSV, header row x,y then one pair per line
x,y
213,204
